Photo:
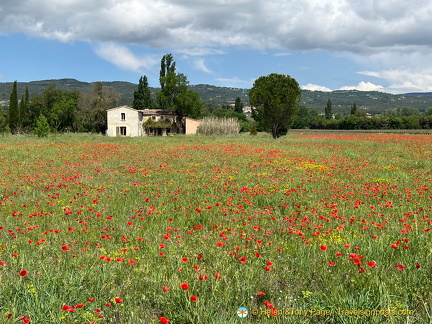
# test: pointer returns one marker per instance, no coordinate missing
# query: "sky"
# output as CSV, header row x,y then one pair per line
x,y
370,45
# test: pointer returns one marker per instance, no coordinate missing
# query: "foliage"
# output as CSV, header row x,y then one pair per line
x,y
58,106
174,94
14,114
92,106
253,130
4,125
238,106
328,110
42,127
353,122
142,97
304,117
402,112
275,102
218,126
354,109
150,123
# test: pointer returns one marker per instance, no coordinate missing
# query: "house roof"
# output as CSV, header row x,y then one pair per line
x,y
147,112
122,107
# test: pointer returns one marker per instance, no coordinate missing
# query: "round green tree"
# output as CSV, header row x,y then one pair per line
x,y
275,102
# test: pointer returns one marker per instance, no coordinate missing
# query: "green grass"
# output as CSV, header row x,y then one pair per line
x,y
86,215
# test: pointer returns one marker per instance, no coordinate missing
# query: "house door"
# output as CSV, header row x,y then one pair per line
x,y
123,131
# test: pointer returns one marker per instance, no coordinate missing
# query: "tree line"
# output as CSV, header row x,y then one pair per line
x,y
58,110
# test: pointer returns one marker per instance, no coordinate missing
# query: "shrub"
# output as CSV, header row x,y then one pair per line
x,y
218,126
42,128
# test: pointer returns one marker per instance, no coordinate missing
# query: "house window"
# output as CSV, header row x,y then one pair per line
x,y
123,131
123,116
153,117
162,117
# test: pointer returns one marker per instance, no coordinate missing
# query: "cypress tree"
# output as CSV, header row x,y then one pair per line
x,y
13,109
328,110
142,97
238,107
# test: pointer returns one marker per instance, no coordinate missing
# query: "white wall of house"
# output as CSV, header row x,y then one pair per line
x,y
124,121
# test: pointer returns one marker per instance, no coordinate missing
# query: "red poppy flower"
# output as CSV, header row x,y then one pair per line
x,y
260,293
218,276
163,320
165,288
194,298
23,273
268,304
401,267
417,265
184,286
331,263
371,264
323,247
118,300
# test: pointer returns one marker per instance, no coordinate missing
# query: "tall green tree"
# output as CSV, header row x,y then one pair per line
x,y
238,106
174,94
353,109
92,106
14,120
328,110
142,97
275,102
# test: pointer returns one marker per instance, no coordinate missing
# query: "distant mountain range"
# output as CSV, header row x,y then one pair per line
x,y
373,102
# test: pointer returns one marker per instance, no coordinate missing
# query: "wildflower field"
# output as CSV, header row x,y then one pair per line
x,y
310,228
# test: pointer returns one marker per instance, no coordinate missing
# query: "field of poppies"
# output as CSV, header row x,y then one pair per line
x,y
310,228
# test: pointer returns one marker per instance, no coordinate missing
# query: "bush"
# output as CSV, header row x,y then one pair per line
x,y
42,128
253,130
218,126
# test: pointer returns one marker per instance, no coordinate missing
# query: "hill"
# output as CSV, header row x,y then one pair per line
x,y
373,102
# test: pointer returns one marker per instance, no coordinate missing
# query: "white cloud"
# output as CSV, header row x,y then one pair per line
x,y
345,25
200,51
315,87
199,65
364,86
383,35
234,82
124,58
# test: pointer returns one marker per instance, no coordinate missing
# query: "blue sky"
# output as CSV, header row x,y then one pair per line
x,y
382,45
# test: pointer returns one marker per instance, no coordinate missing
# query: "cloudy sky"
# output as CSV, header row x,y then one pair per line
x,y
383,45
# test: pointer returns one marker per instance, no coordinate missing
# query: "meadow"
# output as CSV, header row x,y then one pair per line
x,y
310,228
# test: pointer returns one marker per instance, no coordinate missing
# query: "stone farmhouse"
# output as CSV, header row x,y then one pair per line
x,y
126,121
